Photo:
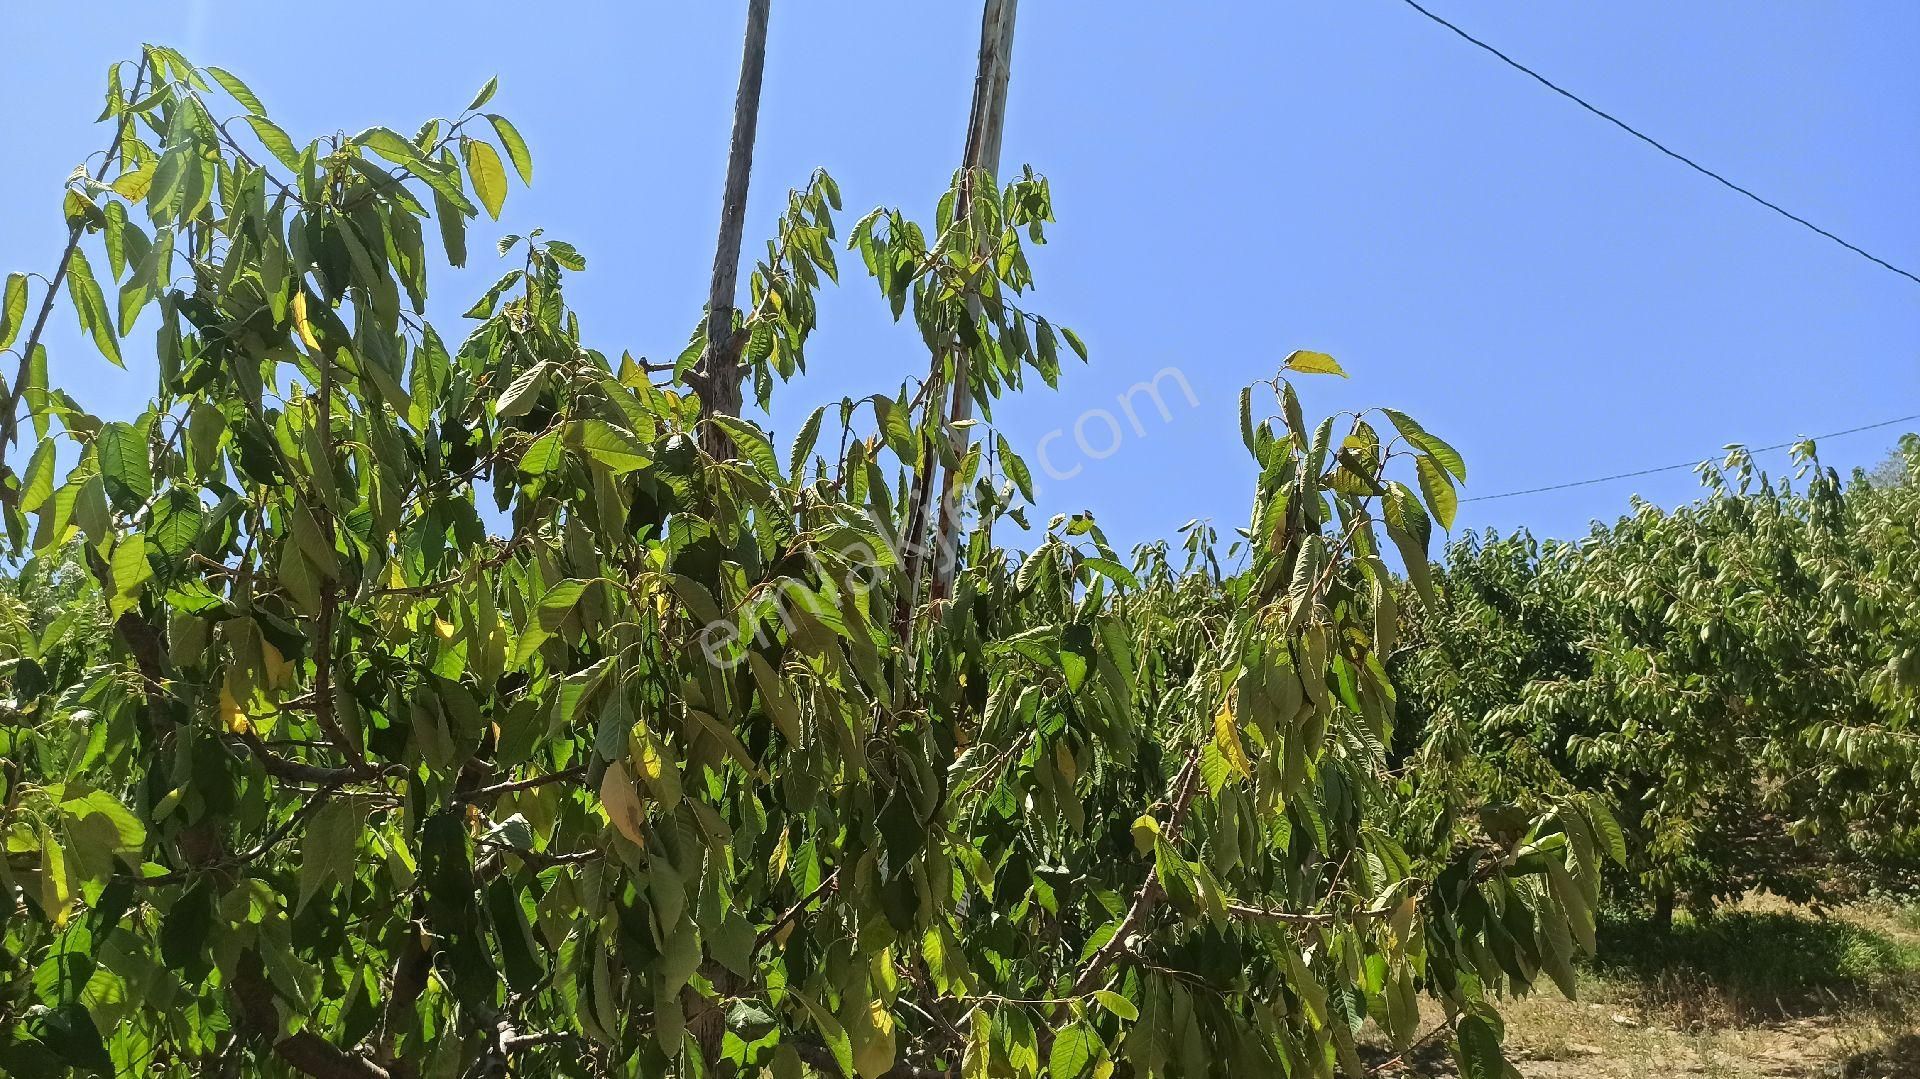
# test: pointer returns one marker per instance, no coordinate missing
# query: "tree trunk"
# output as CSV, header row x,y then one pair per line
x,y
985,123
984,129
1663,908
716,380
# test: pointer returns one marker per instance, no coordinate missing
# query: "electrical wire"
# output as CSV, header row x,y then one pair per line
x,y
1656,144
1686,464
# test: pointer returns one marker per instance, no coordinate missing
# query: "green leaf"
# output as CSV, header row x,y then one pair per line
x,y
485,95
544,454
803,443
91,307
122,452
831,1032
554,607
130,571
133,184
779,704
483,307
1030,567
129,835
1432,445
1313,363
1073,341
519,961
232,85
275,140
445,182
1477,1046
523,393
896,428
1176,876
1556,950
13,313
1074,1051
515,146
1107,567
395,147
1016,468
751,444
177,519
611,446
1411,530
488,175
37,484
1607,828
453,229
1567,893
1438,449
1438,488
1120,1006
566,255
327,848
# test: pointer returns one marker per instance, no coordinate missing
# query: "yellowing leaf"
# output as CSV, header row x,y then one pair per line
x,y
1314,363
232,716
489,175
279,671
654,765
1063,760
622,802
873,1045
56,891
133,184
300,324
1226,735
1145,831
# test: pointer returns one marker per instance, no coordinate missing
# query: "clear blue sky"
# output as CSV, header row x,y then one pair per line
x,y
1234,180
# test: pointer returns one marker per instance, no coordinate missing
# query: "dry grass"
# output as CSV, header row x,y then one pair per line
x,y
1763,990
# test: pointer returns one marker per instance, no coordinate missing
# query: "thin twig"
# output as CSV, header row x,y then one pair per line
x,y
578,771
766,935
9,420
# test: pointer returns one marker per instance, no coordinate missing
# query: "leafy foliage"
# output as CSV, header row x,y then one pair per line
x,y
1741,677
639,770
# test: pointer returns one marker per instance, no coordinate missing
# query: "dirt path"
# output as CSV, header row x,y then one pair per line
x,y
1652,1023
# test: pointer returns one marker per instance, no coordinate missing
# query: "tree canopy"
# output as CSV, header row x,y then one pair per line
x,y
1739,676
428,703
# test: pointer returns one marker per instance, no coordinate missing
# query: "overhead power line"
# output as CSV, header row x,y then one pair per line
x,y
1657,144
1686,464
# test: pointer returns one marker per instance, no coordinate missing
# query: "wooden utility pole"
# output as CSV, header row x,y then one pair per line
x,y
982,162
716,380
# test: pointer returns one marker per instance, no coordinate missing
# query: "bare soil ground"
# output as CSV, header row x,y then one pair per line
x,y
1766,990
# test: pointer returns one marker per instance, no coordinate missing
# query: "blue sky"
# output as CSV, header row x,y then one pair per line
x,y
1233,180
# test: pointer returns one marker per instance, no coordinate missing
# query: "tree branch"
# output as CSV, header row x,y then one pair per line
x,y
305,1051
1184,788
821,1059
310,1053
9,418
716,380
578,771
766,935
273,839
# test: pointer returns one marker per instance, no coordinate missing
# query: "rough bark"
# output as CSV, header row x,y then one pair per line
x,y
985,123
716,379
